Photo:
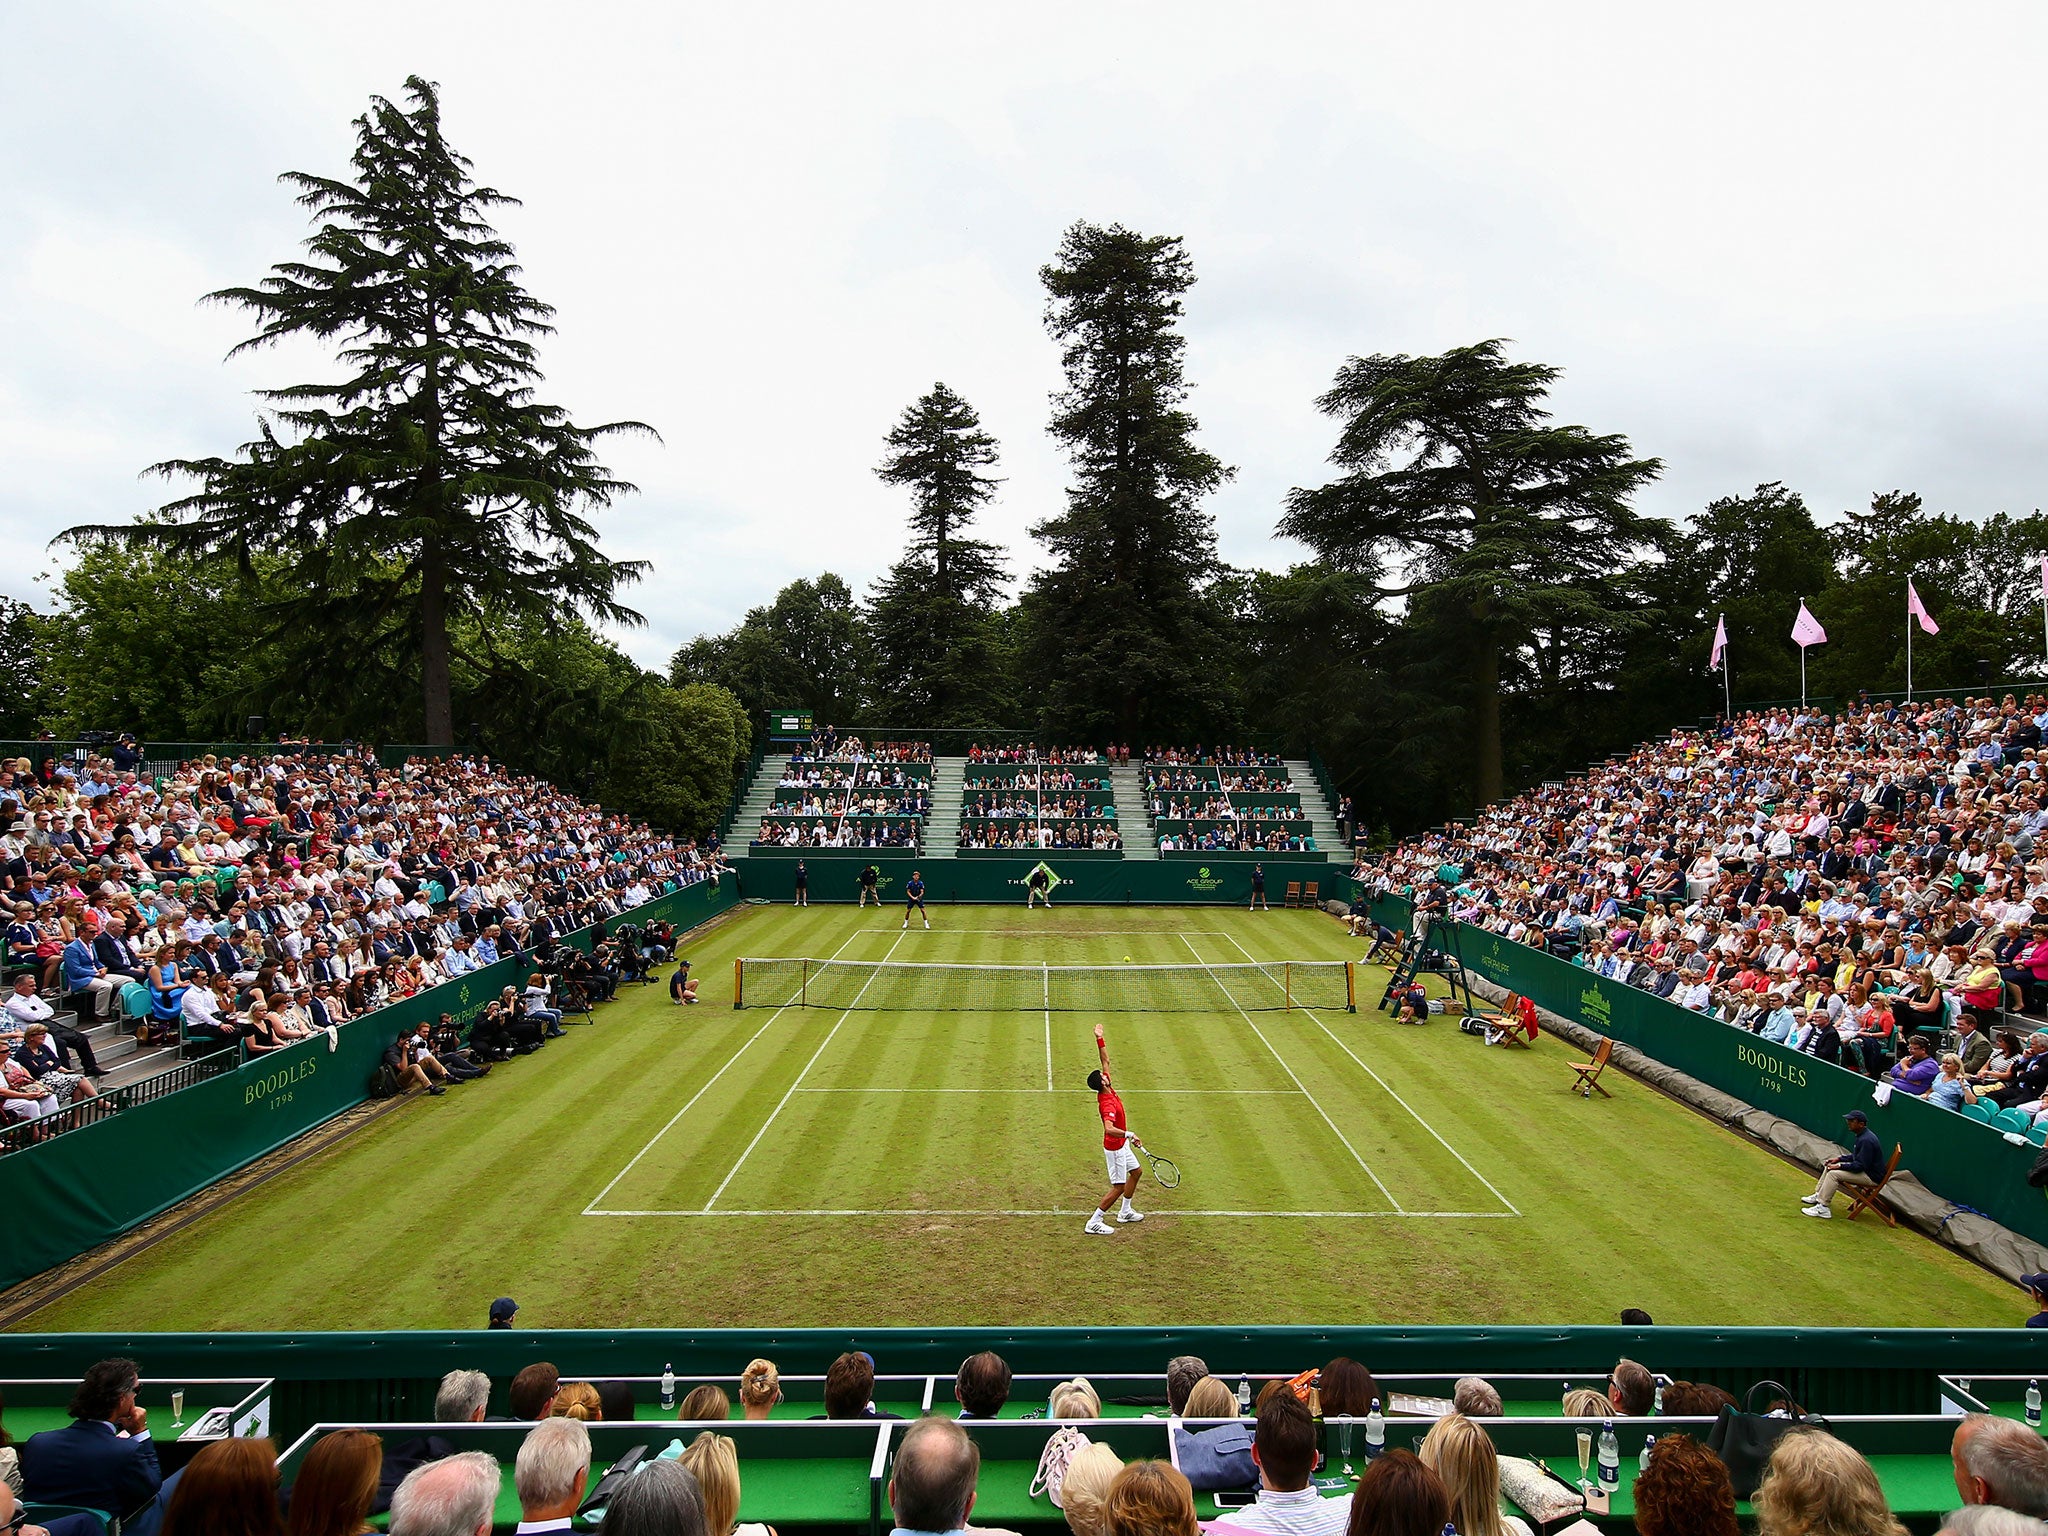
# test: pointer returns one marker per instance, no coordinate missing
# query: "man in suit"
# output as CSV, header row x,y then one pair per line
x,y
117,956
105,1459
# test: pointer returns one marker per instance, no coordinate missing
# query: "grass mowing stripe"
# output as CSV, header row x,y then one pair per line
x,y
1419,1120
801,1075
921,1211
591,1209
1300,1084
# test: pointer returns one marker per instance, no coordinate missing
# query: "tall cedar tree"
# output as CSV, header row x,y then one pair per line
x,y
1456,477
1125,628
429,485
936,644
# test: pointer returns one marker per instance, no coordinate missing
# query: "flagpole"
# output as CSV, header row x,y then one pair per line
x,y
1727,690
1802,665
1910,626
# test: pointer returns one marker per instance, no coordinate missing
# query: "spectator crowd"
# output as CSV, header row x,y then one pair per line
x,y
251,903
105,1461
1843,884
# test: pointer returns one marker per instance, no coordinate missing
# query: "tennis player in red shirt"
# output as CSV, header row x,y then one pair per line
x,y
1118,1148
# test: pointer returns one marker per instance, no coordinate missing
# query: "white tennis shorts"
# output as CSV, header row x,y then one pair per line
x,y
1123,1162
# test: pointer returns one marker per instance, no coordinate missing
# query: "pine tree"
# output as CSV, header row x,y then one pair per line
x,y
429,484
1458,485
938,654
1125,629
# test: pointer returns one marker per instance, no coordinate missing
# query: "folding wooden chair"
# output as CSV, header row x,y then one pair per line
x,y
1589,1072
1869,1197
1293,896
1308,894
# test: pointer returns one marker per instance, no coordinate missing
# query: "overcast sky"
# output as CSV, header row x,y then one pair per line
x,y
1765,242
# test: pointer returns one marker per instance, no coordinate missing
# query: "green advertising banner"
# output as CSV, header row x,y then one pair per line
x,y
1962,1160
1091,879
75,1191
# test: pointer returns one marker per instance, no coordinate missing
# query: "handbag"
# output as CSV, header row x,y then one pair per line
x,y
1744,1440
1066,1443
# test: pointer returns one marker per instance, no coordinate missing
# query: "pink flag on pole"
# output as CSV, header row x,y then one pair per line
x,y
1806,629
1918,610
1720,643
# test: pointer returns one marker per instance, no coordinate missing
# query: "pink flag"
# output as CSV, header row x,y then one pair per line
x,y
1806,629
1720,643
1918,610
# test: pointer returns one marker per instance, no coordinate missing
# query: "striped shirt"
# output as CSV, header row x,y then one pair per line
x,y
1303,1512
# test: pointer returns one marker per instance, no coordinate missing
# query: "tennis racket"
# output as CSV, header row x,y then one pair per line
x,y
1164,1169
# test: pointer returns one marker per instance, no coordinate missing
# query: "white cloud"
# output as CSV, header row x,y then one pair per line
x,y
1765,242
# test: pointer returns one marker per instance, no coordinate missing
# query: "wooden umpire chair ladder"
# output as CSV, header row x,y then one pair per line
x,y
1589,1072
1870,1198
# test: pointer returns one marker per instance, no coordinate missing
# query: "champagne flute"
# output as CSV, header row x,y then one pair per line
x,y
1344,1441
1585,1438
178,1407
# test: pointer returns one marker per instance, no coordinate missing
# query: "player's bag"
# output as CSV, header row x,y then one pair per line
x,y
1066,1443
1744,1439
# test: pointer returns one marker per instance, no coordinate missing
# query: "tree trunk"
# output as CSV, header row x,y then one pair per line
x,y
434,651
1486,754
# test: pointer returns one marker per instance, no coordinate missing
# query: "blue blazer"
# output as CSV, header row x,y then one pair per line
x,y
86,1463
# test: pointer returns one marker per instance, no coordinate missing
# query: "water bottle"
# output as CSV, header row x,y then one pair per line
x,y
2034,1403
668,1387
1643,1461
1657,1402
1244,1394
1610,1457
1375,1432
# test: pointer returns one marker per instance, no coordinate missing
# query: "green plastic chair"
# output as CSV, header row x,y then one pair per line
x,y
1980,1111
134,1002
2039,1135
2013,1120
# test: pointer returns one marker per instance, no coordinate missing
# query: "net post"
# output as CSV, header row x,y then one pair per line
x,y
1350,987
739,976
1287,983
803,989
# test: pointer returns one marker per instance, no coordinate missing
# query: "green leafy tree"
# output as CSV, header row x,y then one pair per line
x,y
807,649
1457,484
27,639
937,647
1124,629
428,484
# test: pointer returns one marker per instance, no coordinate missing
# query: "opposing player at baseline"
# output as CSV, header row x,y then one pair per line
x,y
913,899
1118,1148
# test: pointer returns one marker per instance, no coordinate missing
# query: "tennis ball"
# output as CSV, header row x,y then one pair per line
x,y
1127,959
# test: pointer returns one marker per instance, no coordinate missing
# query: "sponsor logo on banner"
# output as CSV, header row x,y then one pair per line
x,y
1597,1010
274,1089
1494,963
1777,1074
1203,881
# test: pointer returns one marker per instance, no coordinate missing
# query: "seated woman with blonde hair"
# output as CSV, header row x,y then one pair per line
x,y
1075,1400
1815,1483
1149,1498
1210,1398
1461,1454
760,1389
715,1461
1084,1496
578,1400
1585,1403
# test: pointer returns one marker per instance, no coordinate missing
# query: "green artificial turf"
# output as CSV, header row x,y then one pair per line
x,y
719,1167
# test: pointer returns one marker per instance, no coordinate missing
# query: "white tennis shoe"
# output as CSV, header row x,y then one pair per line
x,y
1127,1214
1097,1227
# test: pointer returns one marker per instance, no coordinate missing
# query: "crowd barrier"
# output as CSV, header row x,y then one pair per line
x,y
78,1190
995,876
1963,1161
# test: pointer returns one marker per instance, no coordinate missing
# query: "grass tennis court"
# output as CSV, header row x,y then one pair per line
x,y
813,1165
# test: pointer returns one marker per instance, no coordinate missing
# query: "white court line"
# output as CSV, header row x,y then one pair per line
x,y
1368,1071
1066,1214
838,1024
591,1209
1046,972
1233,1092
1304,1089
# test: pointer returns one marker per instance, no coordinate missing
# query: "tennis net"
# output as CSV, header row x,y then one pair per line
x,y
846,985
